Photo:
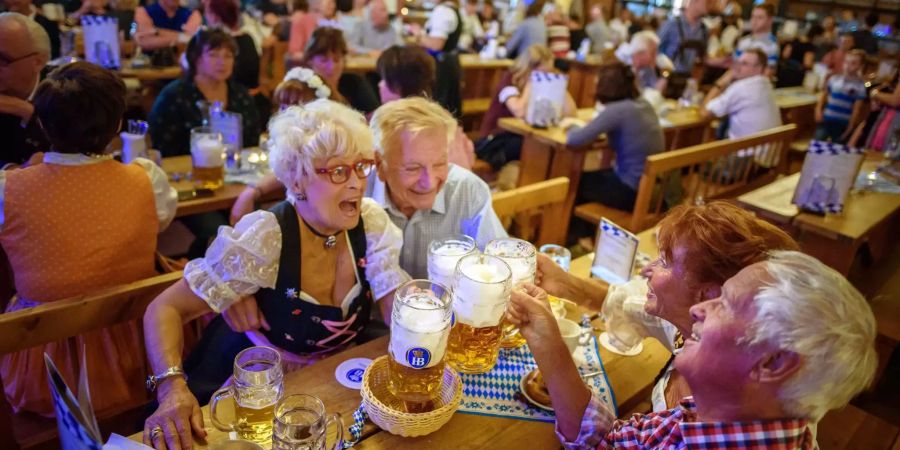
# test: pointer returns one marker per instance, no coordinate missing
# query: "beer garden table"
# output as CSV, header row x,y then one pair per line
x,y
833,238
222,198
631,379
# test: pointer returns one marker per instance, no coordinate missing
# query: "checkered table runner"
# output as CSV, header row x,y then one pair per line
x,y
496,393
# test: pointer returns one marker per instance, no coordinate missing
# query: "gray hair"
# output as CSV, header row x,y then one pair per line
x,y
643,41
36,33
319,129
811,310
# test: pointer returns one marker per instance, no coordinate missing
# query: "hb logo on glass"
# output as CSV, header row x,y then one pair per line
x,y
418,357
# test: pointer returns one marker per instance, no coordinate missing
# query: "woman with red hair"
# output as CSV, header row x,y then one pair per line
x,y
225,14
699,248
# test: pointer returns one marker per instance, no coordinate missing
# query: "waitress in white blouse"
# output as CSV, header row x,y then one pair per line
x,y
315,263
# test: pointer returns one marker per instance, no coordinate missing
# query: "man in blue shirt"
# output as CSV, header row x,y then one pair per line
x,y
684,38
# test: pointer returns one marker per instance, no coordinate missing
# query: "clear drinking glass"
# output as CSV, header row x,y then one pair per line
x,y
256,386
207,158
559,254
420,327
481,287
522,259
443,254
301,424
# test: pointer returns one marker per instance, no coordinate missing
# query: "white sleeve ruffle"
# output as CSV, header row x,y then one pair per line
x,y
240,261
383,243
165,195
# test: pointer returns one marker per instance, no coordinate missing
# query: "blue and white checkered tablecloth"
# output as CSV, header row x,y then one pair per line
x,y
496,393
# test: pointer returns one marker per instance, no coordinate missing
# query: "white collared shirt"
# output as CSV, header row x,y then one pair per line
x,y
462,206
750,106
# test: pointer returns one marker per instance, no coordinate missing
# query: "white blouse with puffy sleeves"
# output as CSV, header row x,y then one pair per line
x,y
244,259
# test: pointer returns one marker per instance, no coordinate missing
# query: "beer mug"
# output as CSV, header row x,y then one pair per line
x,y
256,387
443,254
207,158
301,424
559,255
522,259
420,327
481,287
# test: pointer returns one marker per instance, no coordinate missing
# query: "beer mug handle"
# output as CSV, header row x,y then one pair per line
x,y
339,424
214,402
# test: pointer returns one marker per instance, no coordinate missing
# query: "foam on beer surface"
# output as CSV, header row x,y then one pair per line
x,y
522,269
207,152
442,262
479,297
422,325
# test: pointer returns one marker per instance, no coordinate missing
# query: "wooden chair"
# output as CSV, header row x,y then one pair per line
x,y
64,319
720,169
544,200
851,428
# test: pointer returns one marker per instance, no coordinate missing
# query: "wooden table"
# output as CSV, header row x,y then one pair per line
x,y
583,79
545,154
222,198
150,73
833,238
631,379
798,106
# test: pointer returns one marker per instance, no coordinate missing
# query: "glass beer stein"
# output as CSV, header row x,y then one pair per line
x,y
420,327
481,287
443,254
207,158
256,387
301,424
522,259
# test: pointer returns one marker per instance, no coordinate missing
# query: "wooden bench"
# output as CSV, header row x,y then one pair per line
x,y
702,172
61,320
542,201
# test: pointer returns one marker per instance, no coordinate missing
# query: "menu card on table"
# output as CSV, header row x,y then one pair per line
x,y
614,254
547,98
101,41
828,173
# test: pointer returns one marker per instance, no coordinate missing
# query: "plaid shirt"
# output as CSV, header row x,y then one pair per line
x,y
675,429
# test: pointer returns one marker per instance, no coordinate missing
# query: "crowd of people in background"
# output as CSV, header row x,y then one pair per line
x,y
422,187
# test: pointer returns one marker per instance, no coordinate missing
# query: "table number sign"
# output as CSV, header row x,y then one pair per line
x,y
548,95
828,173
615,252
101,41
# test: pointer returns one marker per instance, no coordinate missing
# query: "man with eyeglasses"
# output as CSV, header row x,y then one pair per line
x,y
749,101
24,51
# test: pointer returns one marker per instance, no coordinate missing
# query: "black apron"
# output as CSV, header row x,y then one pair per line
x,y
301,327
449,72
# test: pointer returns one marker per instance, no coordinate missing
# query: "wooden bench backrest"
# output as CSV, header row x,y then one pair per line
x,y
710,171
547,198
54,321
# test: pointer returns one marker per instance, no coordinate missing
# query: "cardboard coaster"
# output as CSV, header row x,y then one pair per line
x,y
350,372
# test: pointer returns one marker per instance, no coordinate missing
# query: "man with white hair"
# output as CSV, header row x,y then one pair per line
x,y
754,363
24,51
425,196
647,62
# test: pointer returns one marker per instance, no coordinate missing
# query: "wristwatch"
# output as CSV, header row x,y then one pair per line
x,y
154,380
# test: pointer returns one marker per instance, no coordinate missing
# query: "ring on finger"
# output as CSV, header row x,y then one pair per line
x,y
155,432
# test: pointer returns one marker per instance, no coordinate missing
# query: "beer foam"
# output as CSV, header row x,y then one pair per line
x,y
479,299
442,261
207,152
420,323
522,269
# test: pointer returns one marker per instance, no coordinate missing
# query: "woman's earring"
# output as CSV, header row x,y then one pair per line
x,y
301,196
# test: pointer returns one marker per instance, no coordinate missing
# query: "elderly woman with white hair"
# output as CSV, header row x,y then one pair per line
x,y
315,264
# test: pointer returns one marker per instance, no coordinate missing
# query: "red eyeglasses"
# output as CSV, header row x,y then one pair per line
x,y
341,173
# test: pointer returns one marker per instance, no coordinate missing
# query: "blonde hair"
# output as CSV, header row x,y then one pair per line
x,y
809,309
319,129
411,115
528,61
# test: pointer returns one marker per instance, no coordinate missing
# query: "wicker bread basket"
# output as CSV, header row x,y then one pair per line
x,y
388,413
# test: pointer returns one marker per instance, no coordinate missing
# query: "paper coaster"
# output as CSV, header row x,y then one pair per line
x,y
604,341
350,372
